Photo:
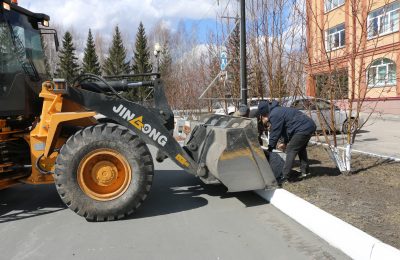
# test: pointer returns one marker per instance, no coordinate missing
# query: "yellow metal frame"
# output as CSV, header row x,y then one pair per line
x,y
44,138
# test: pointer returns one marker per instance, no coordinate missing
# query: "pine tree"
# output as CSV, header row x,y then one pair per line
x,y
165,61
91,60
68,67
141,59
115,63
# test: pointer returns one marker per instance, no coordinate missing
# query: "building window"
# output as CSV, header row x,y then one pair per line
x,y
335,38
332,4
382,73
384,20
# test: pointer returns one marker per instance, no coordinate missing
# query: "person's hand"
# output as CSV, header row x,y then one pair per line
x,y
281,147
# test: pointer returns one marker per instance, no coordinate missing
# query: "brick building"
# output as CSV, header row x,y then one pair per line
x,y
371,36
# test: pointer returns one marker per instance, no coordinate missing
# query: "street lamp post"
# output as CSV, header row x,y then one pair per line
x,y
243,58
157,51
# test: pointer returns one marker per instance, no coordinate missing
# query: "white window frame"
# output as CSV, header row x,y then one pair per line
x,y
381,14
376,65
330,5
328,36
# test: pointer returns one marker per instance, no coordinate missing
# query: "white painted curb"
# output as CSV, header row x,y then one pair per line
x,y
392,158
350,240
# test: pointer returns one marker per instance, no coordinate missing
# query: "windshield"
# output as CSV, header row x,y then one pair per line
x,y
20,49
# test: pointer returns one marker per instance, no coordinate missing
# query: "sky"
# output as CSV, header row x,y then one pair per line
x,y
102,16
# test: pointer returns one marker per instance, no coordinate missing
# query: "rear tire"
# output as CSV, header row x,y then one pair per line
x,y
346,126
104,172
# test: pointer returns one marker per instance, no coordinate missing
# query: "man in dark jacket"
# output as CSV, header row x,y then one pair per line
x,y
296,129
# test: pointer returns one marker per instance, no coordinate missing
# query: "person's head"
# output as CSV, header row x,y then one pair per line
x,y
244,110
263,111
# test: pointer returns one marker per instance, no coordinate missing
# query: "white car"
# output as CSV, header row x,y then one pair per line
x,y
219,108
254,102
251,102
311,106
221,111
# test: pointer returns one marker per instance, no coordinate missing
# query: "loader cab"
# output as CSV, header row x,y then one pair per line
x,y
22,60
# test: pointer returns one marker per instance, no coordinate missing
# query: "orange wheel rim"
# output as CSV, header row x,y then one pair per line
x,y
104,174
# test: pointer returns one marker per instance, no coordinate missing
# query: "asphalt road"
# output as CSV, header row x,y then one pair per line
x,y
181,219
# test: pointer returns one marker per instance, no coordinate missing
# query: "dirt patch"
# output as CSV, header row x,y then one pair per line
x,y
369,199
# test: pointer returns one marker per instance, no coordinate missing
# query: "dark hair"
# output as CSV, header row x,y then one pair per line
x,y
263,108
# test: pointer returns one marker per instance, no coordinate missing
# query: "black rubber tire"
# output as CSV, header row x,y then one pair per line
x,y
109,136
345,127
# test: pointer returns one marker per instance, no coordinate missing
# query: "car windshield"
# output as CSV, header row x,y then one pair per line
x,y
20,48
253,103
311,104
322,104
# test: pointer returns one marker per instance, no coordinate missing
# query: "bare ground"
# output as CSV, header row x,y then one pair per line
x,y
369,199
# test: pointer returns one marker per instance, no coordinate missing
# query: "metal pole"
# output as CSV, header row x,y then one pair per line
x,y
158,63
243,58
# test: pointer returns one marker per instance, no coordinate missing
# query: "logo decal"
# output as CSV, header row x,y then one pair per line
x,y
137,122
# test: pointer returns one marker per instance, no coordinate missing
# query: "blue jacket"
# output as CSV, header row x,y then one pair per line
x,y
286,122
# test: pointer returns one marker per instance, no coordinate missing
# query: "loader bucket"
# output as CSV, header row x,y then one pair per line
x,y
228,148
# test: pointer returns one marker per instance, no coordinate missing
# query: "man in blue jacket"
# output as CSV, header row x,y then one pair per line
x,y
296,129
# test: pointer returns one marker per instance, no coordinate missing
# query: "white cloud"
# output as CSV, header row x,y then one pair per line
x,y
102,16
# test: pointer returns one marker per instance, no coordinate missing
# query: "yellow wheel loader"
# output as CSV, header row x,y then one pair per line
x,y
103,169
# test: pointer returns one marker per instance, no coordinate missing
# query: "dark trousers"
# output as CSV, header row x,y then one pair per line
x,y
296,146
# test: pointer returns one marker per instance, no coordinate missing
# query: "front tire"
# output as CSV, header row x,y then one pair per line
x,y
104,172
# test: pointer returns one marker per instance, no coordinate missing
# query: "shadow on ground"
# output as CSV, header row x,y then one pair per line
x,y
363,165
27,201
176,191
172,191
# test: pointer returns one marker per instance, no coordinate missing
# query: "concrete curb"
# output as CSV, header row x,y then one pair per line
x,y
362,152
350,240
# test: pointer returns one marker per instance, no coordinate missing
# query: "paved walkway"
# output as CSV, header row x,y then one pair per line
x,y
380,135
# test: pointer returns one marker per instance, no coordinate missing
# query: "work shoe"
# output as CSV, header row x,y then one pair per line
x,y
304,175
294,174
281,180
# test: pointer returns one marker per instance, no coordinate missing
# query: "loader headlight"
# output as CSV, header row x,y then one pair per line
x,y
6,6
45,23
60,86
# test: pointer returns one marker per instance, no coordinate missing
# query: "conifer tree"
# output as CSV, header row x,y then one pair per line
x,y
141,59
68,67
115,64
166,61
90,59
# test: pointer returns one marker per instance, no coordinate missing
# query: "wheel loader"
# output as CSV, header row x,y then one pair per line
x,y
51,132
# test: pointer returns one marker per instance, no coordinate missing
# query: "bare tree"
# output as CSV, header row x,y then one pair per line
x,y
101,49
354,55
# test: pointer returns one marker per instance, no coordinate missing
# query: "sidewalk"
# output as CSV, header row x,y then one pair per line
x,y
380,116
380,135
388,107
